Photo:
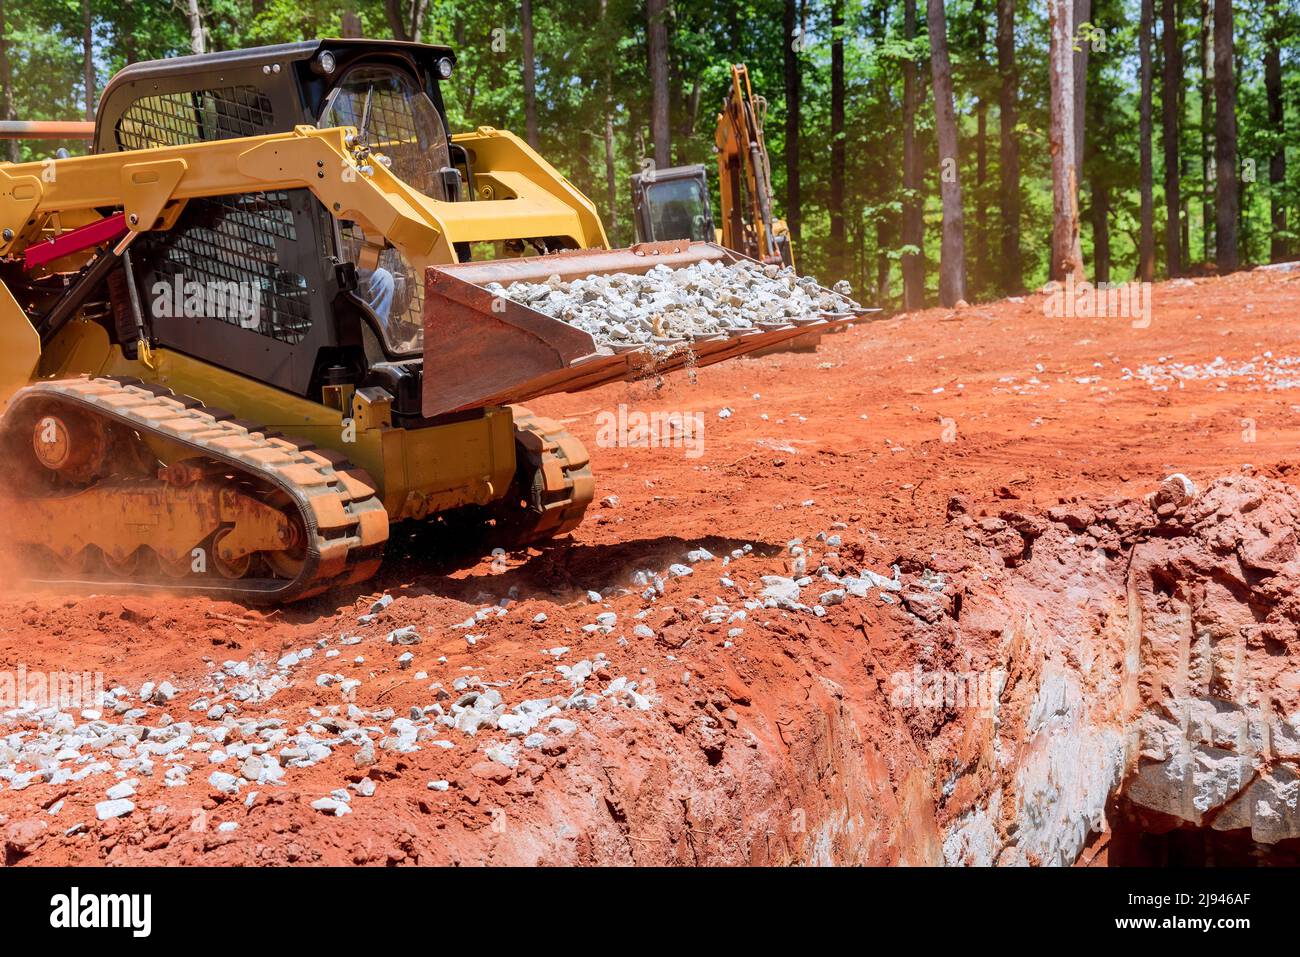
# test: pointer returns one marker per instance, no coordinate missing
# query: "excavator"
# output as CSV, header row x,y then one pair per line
x,y
250,330
673,203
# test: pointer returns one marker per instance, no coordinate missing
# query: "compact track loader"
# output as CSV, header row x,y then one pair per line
x,y
248,332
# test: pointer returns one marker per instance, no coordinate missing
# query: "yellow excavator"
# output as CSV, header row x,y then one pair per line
x,y
251,329
673,203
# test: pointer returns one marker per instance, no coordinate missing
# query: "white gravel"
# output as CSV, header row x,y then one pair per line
x,y
701,299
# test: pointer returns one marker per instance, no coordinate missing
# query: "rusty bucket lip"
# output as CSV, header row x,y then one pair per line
x,y
573,264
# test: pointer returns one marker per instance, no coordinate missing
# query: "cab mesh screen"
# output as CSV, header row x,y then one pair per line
x,y
228,245
194,116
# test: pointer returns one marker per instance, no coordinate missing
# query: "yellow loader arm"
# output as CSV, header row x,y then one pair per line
x,y
45,206
479,349
528,199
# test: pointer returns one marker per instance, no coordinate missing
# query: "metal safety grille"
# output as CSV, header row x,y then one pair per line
x,y
391,131
194,116
221,259
227,246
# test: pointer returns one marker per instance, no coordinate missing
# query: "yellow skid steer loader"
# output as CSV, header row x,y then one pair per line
x,y
247,333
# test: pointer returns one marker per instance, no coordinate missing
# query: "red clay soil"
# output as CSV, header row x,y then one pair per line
x,y
776,745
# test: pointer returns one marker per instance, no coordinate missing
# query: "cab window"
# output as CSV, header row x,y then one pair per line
x,y
678,210
398,121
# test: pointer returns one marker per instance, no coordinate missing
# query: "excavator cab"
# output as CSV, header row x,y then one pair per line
x,y
672,203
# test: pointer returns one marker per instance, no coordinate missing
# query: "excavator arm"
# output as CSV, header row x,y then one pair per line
x,y
745,176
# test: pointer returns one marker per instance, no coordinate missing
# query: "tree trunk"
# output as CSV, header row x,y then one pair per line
x,y
886,181
1097,107
837,250
952,247
88,55
1225,140
396,22
691,109
882,261
913,225
793,95
1009,148
611,181
1100,231
1067,259
1146,216
12,151
1173,78
1207,121
1243,223
657,50
1278,250
979,275
1082,14
530,73
350,22
1184,166
195,17
418,10
406,28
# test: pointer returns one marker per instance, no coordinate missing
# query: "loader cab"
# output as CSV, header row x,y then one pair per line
x,y
672,203
319,301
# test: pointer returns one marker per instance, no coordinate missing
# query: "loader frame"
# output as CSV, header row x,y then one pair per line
x,y
40,202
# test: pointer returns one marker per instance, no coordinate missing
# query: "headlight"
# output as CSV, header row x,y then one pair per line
x,y
444,68
325,62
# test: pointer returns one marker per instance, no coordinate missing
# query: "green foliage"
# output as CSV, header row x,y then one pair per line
x,y
591,69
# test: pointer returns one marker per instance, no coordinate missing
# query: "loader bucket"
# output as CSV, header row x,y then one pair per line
x,y
482,349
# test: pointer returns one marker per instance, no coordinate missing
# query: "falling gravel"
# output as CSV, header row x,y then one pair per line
x,y
702,299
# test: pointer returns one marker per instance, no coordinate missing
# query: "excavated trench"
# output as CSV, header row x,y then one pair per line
x,y
1108,682
1100,682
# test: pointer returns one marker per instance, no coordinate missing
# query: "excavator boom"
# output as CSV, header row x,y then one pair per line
x,y
745,176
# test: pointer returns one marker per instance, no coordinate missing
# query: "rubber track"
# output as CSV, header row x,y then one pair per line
x,y
345,521
568,485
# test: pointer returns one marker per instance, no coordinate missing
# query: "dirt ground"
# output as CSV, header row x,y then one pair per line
x,y
763,739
